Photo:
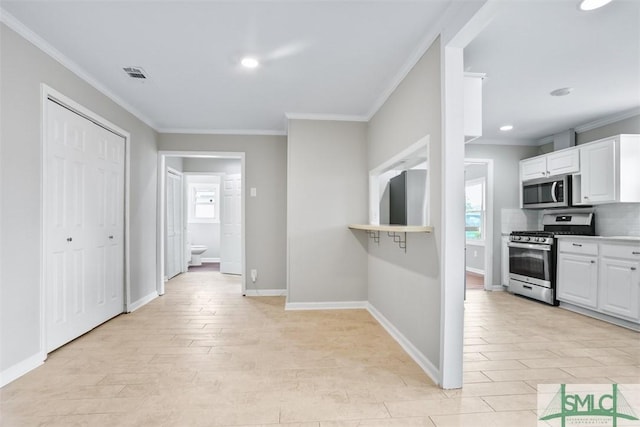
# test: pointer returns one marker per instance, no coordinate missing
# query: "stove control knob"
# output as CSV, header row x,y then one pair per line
x,y
516,238
540,239
526,239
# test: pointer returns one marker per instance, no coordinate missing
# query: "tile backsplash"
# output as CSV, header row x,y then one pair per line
x,y
518,220
620,219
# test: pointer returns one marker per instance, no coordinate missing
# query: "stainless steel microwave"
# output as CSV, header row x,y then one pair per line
x,y
553,192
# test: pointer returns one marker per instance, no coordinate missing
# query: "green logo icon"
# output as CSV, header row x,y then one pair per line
x,y
585,405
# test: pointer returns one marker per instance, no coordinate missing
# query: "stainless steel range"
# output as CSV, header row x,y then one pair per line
x,y
532,254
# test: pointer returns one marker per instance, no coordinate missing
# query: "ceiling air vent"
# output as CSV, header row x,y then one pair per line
x,y
135,72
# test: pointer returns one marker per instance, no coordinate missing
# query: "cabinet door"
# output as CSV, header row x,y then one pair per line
x,y
505,261
563,162
533,168
577,280
598,172
619,288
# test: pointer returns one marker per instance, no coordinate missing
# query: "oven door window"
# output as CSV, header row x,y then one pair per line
x,y
530,262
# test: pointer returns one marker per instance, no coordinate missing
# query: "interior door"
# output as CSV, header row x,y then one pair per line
x,y
231,225
173,254
84,196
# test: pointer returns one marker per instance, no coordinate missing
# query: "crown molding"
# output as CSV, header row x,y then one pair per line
x,y
418,53
328,117
248,132
12,22
608,120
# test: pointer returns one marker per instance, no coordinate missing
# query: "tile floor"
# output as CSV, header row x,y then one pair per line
x,y
204,356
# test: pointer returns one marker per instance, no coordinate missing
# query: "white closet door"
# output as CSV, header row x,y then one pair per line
x,y
84,190
231,225
173,254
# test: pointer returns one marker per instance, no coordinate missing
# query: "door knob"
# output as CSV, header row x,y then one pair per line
x,y
69,239
111,237
633,269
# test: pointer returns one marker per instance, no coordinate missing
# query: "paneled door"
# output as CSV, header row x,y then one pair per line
x,y
84,225
231,225
173,254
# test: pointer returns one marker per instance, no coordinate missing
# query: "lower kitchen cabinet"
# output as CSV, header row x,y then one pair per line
x,y
578,275
505,261
620,285
602,276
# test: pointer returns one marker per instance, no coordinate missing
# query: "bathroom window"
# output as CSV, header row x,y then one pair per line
x,y
203,203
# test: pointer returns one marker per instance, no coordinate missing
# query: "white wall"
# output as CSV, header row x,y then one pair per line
x,y
327,190
266,214
629,125
506,194
228,166
23,67
405,287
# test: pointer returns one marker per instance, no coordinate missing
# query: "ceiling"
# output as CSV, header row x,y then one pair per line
x,y
317,57
340,59
533,47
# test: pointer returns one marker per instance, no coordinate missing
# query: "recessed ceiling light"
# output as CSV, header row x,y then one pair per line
x,y
249,62
593,4
563,91
506,128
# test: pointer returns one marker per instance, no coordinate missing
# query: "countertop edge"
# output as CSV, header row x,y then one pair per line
x,y
634,239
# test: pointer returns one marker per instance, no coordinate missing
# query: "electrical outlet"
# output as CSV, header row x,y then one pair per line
x,y
254,275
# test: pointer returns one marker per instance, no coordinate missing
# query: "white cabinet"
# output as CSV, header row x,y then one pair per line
x,y
619,291
577,278
563,162
472,106
557,163
505,261
598,173
600,275
609,171
533,168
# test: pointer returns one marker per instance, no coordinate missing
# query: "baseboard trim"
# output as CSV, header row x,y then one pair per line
x,y
475,270
265,292
601,316
142,301
498,288
210,259
19,369
331,305
411,350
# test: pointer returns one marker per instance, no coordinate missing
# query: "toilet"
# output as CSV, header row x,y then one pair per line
x,y
196,254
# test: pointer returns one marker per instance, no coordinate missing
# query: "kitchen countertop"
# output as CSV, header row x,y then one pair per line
x,y
632,239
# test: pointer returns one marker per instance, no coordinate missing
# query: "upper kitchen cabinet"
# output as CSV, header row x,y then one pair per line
x,y
472,106
610,171
558,163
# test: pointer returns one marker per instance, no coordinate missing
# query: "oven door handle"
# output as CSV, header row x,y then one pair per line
x,y
534,246
553,191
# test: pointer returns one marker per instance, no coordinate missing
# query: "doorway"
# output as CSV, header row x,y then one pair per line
x,y
479,224
213,213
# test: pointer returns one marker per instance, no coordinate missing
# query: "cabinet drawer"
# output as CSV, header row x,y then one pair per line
x,y
621,251
584,248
